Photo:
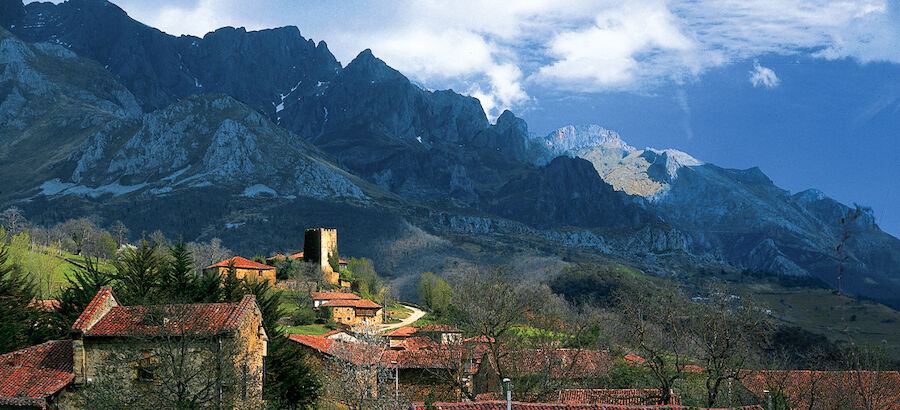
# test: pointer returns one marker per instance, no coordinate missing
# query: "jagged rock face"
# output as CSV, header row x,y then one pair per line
x,y
51,100
739,214
257,68
209,140
569,192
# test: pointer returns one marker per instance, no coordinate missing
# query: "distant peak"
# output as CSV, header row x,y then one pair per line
x,y
367,66
586,136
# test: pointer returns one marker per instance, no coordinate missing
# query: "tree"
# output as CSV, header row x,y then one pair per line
x,y
21,324
290,383
13,219
83,284
492,302
181,284
139,272
726,330
434,292
120,233
656,324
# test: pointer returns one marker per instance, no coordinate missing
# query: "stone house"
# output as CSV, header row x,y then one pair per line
x,y
441,334
216,346
244,269
354,312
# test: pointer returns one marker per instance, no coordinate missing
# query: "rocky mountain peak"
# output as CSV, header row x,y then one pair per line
x,y
571,138
367,66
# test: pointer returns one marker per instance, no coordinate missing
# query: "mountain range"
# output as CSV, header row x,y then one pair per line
x,y
252,136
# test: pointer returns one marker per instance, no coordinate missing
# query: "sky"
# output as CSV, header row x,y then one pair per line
x,y
721,80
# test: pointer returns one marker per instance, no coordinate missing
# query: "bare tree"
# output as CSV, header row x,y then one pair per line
x,y
120,232
493,302
208,253
726,329
657,325
13,219
357,376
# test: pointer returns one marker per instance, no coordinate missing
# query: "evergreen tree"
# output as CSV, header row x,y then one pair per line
x,y
290,382
84,283
21,324
181,284
139,272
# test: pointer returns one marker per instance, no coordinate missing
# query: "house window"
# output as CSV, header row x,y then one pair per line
x,y
145,370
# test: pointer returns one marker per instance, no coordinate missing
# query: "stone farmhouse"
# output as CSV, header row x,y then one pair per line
x,y
244,269
140,348
351,312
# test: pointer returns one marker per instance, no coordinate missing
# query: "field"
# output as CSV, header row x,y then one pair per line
x,y
819,311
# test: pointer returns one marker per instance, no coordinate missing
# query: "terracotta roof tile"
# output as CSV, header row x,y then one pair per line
x,y
30,375
361,304
836,388
614,396
84,319
193,319
45,305
404,331
418,343
333,296
440,328
242,263
501,405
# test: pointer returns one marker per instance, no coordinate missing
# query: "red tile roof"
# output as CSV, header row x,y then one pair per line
x,y
614,396
31,375
501,405
85,318
298,255
45,305
276,257
418,343
440,328
333,296
357,353
359,304
241,263
561,363
404,331
633,358
423,359
193,319
836,388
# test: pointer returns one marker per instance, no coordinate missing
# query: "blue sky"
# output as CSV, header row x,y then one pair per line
x,y
807,90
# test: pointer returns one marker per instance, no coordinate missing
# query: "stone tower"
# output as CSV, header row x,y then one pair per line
x,y
319,244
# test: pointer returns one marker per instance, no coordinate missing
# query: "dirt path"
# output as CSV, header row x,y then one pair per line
x,y
416,315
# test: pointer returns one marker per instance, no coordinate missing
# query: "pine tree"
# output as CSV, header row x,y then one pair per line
x,y
84,283
290,381
181,284
139,272
21,324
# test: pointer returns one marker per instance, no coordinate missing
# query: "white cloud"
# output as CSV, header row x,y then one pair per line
x,y
763,76
623,46
496,50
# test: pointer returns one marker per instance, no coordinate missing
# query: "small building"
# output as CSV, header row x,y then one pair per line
x,y
37,376
399,335
342,335
322,297
140,348
244,269
352,312
442,334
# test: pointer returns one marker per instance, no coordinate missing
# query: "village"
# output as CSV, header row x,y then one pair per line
x,y
214,354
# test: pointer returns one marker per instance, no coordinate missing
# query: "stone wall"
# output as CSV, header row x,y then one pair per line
x,y
250,274
318,245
